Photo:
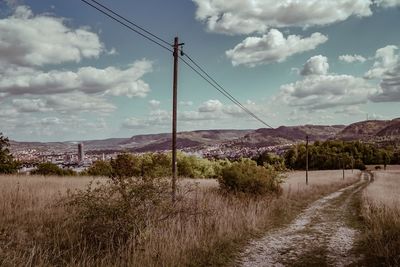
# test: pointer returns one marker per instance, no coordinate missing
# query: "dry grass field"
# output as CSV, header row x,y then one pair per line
x,y
381,212
294,180
389,168
35,230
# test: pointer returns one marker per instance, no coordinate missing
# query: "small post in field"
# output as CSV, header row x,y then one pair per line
x,y
352,164
343,166
307,160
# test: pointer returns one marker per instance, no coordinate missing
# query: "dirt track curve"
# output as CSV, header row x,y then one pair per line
x,y
320,236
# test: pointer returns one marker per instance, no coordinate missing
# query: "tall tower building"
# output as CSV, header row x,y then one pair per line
x,y
81,152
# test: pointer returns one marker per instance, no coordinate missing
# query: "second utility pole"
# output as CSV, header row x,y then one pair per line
x,y
174,116
307,160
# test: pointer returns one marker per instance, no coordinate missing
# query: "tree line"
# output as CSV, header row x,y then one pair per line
x,y
338,154
7,163
322,156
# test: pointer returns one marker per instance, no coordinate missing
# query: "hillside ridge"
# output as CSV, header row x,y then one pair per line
x,y
263,137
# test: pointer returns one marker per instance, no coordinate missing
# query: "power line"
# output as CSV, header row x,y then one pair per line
x,y
227,95
130,22
127,26
221,88
162,43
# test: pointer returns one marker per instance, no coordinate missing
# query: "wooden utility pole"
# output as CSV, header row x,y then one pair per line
x,y
307,160
352,164
343,166
174,116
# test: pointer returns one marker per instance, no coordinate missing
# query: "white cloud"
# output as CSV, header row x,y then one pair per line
x,y
155,118
133,123
78,102
352,58
350,111
189,116
50,121
211,106
154,103
327,91
385,59
316,65
323,91
159,116
56,126
36,40
387,3
30,105
13,3
386,68
186,103
7,112
272,47
389,90
64,103
211,112
375,116
234,111
111,80
249,16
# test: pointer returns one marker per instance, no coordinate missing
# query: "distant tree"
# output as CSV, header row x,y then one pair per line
x,y
162,165
100,168
195,167
386,157
395,158
7,163
48,168
358,164
270,160
126,165
334,154
245,176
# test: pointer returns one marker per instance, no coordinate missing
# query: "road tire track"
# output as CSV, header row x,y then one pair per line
x,y
320,236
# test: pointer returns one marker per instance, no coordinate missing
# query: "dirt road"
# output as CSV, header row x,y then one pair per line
x,y
321,236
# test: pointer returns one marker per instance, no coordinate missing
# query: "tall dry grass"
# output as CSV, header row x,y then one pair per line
x,y
381,212
34,232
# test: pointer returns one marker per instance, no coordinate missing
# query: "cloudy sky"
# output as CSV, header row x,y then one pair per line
x,y
68,72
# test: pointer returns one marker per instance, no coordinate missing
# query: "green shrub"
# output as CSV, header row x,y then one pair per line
x,y
270,160
125,165
99,168
195,167
358,164
161,165
7,163
49,168
118,210
153,165
108,215
246,177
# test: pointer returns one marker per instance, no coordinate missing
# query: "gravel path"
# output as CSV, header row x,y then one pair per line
x,y
320,236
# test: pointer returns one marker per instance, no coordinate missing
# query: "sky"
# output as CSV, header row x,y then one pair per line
x,y
67,72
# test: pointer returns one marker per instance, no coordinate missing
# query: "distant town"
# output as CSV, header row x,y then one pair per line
x,y
210,144
76,158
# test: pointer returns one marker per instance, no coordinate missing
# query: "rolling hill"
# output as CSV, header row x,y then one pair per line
x,y
287,135
372,130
